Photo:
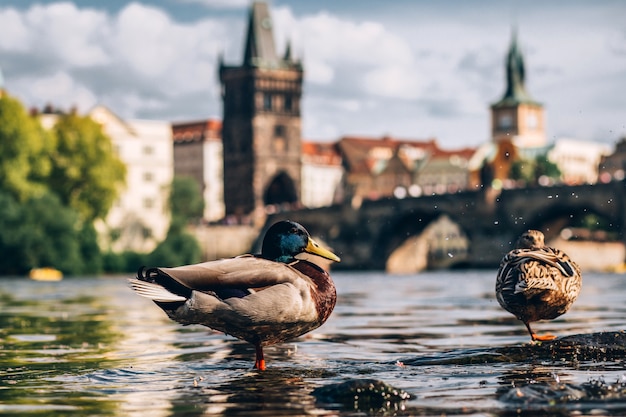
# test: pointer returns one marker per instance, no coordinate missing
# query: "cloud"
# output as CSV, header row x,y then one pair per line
x,y
134,69
61,87
367,71
219,4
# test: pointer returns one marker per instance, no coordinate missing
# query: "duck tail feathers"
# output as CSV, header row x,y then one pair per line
x,y
154,291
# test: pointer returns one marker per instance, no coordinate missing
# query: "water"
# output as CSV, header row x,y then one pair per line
x,y
90,347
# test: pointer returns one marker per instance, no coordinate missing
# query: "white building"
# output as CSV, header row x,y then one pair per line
x,y
322,173
578,160
140,218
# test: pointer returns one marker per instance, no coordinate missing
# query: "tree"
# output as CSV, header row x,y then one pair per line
x,y
185,202
24,151
86,173
531,170
38,232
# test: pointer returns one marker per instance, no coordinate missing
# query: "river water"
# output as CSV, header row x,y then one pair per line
x,y
434,343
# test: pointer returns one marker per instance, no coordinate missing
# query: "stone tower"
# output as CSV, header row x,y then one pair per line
x,y
517,118
261,129
517,121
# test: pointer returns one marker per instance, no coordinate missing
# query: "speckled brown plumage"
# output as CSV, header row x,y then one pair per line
x,y
537,282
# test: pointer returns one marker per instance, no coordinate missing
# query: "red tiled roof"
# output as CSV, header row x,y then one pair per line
x,y
362,155
322,153
198,130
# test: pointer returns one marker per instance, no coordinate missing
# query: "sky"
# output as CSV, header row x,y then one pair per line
x,y
410,69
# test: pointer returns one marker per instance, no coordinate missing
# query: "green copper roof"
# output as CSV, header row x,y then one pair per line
x,y
515,76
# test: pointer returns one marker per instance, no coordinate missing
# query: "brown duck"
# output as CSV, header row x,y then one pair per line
x,y
263,299
537,282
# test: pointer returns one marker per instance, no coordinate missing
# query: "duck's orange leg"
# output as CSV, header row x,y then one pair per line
x,y
537,338
259,363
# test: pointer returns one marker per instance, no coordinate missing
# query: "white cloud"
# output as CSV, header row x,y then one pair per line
x,y
58,89
413,76
14,31
219,4
73,36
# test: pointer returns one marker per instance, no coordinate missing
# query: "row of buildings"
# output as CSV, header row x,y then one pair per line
x,y
254,160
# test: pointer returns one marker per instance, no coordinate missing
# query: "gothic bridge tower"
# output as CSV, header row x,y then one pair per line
x,y
517,121
261,130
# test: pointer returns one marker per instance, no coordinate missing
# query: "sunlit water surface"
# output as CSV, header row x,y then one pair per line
x,y
89,346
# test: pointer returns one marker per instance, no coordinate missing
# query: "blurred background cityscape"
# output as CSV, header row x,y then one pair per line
x,y
172,140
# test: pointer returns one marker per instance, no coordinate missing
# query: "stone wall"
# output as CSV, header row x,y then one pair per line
x,y
219,242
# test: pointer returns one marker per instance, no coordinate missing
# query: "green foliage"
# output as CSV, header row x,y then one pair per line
x,y
178,248
86,173
24,151
186,202
530,170
53,184
89,250
124,262
41,232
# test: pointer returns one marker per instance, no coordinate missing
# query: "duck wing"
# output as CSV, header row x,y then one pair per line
x,y
244,271
538,269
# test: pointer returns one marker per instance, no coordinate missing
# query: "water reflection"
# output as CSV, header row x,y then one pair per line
x,y
90,347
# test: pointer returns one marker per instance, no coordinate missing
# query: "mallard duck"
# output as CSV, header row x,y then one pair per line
x,y
263,299
537,282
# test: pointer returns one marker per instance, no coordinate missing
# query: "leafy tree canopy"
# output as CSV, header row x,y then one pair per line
x,y
86,173
530,170
24,151
42,232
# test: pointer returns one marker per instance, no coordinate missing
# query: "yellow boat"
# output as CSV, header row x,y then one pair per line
x,y
45,274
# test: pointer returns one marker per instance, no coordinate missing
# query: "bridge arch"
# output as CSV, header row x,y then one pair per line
x,y
410,235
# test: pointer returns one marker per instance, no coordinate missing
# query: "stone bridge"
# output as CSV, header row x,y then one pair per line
x,y
366,236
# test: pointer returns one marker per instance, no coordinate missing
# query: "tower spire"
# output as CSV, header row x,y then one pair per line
x,y
260,49
515,92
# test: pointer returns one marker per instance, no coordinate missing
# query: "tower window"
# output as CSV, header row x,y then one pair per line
x,y
280,142
279,131
505,121
267,101
288,103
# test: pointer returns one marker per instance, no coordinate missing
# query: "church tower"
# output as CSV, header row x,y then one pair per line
x,y
517,118
261,130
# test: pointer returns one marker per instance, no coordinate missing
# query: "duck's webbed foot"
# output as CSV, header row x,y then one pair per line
x,y
539,338
259,363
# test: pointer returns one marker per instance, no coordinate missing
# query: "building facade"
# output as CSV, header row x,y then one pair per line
x,y
198,155
261,125
613,166
388,167
578,160
322,174
140,218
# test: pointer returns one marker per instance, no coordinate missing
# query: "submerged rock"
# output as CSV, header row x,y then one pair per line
x,y
362,395
602,346
545,393
581,347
